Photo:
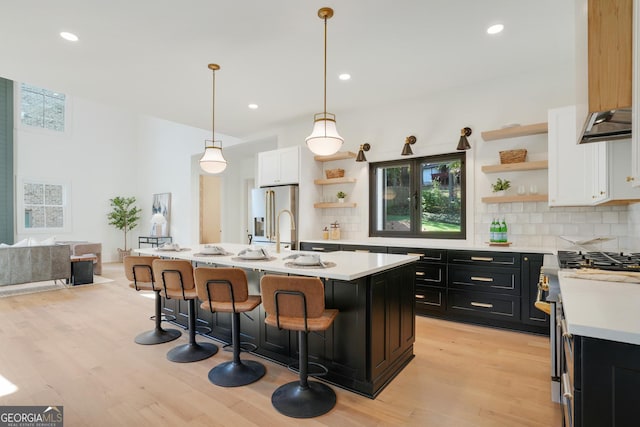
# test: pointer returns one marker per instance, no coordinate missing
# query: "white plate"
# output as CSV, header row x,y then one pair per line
x,y
307,260
253,255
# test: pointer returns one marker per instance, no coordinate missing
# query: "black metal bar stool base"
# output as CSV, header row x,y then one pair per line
x,y
294,401
192,352
157,336
233,374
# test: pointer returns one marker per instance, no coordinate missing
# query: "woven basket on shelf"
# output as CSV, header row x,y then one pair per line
x,y
513,156
334,173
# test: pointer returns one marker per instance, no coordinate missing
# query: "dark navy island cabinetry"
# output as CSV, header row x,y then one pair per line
x,y
493,288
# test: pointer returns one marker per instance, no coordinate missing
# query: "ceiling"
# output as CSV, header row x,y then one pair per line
x,y
151,56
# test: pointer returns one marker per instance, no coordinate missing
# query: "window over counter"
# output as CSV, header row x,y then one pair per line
x,y
419,197
42,108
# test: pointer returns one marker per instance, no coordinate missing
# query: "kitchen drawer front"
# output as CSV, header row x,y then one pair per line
x,y
430,298
485,279
431,274
430,255
496,259
363,248
319,247
484,304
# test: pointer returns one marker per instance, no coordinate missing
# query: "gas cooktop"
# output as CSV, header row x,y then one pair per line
x,y
617,261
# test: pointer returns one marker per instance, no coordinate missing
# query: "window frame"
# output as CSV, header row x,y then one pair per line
x,y
68,108
20,208
415,185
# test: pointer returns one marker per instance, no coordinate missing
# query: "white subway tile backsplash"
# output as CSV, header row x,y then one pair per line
x,y
595,217
535,218
579,218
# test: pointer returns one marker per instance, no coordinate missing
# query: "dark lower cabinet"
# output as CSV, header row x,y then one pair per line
x,y
531,264
369,343
601,387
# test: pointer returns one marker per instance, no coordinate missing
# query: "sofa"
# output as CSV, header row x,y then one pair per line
x,y
24,264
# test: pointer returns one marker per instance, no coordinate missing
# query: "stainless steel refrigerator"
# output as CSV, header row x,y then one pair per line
x,y
269,203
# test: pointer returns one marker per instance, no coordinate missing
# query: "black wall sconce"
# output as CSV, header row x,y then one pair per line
x,y
463,144
363,147
408,142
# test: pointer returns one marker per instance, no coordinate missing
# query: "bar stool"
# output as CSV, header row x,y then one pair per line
x,y
176,281
297,303
138,270
225,290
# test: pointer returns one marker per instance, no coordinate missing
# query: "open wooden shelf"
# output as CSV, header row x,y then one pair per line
x,y
340,155
513,167
329,181
512,132
334,205
509,199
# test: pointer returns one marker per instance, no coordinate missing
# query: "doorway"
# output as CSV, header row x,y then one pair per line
x,y
209,209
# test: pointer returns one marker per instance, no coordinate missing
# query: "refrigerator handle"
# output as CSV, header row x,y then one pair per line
x,y
273,214
267,221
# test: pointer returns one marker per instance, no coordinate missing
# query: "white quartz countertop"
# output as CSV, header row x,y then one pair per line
x,y
600,309
348,265
432,244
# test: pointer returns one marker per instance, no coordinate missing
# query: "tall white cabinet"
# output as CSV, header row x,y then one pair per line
x,y
586,174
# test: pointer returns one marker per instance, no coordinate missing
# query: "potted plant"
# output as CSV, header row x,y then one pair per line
x,y
341,195
500,186
124,216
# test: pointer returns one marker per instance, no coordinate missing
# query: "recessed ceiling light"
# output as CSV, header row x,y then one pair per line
x,y
253,106
344,76
495,29
69,36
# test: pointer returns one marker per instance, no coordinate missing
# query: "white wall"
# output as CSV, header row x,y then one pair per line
x,y
97,157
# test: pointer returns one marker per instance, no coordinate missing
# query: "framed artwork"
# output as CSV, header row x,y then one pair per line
x,y
161,214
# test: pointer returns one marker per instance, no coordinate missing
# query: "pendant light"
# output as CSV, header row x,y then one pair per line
x,y
324,139
212,160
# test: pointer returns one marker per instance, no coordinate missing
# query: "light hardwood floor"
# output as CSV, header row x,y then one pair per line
x,y
74,347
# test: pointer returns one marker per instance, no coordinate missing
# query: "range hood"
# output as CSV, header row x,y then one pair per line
x,y
607,126
604,53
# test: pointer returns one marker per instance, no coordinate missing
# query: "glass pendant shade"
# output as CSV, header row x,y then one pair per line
x,y
212,161
324,139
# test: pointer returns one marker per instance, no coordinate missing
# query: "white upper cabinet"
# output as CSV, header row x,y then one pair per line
x,y
279,167
586,174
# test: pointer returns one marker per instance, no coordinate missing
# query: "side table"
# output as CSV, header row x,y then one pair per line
x,y
154,241
82,269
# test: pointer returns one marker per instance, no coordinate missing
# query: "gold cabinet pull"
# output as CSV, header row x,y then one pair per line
x,y
481,304
362,250
482,279
419,273
481,258
567,386
419,296
317,249
414,254
630,178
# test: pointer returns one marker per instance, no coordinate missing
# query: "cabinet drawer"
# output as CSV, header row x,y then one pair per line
x,y
430,298
506,259
484,304
485,279
319,247
363,248
434,255
431,274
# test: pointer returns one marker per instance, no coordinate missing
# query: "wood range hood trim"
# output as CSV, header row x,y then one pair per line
x,y
609,64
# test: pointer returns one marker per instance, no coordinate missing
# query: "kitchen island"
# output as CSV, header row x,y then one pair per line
x,y
371,339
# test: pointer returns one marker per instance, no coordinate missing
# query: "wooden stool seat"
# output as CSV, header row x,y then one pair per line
x,y
139,271
175,278
297,303
226,290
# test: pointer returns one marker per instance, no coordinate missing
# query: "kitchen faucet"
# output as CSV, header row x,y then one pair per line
x,y
293,227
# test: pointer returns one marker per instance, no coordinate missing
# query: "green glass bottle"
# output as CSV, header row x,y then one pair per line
x,y
503,232
493,231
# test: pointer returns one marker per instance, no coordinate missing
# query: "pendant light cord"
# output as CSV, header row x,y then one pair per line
x,y
213,109
325,67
